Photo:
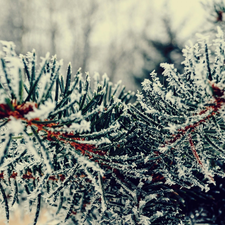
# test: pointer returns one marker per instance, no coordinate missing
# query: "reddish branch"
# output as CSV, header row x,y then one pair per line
x,y
86,149
29,176
219,100
21,110
196,155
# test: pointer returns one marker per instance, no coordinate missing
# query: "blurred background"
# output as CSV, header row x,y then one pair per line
x,y
126,39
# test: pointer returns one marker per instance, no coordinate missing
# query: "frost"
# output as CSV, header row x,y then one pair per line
x,y
146,84
140,184
169,181
12,67
42,112
8,48
181,171
159,214
172,128
87,163
30,146
105,77
43,85
150,197
162,149
145,220
192,105
95,142
171,135
169,96
96,76
82,127
15,125
3,96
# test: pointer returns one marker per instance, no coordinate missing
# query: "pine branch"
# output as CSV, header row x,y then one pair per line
x,y
97,159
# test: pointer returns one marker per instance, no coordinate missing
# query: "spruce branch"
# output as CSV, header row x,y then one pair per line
x,y
83,150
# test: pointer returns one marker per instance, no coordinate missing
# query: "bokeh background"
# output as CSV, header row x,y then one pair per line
x,y
126,39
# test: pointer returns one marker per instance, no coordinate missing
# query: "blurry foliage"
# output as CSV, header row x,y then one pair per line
x,y
167,50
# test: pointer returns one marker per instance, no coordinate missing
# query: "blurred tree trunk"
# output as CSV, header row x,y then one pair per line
x,y
53,28
14,27
82,28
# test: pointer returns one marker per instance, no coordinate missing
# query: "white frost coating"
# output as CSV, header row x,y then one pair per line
x,y
159,214
13,64
144,220
172,128
2,147
8,47
82,127
103,203
83,161
146,84
47,55
219,32
15,125
181,171
117,101
75,96
169,181
169,96
96,76
92,178
156,215
42,112
147,158
166,199
149,198
77,116
142,204
16,62
30,146
103,140
61,62
105,76
3,96
161,149
43,84
140,184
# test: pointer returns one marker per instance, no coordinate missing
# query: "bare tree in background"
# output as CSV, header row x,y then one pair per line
x,y
12,23
167,50
53,26
82,22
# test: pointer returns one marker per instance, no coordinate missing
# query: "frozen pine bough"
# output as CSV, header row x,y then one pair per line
x,y
74,144
66,143
59,142
185,122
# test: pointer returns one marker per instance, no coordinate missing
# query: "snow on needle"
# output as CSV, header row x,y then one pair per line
x,y
219,100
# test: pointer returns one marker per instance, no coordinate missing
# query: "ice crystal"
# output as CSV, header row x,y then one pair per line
x,y
42,112
15,125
